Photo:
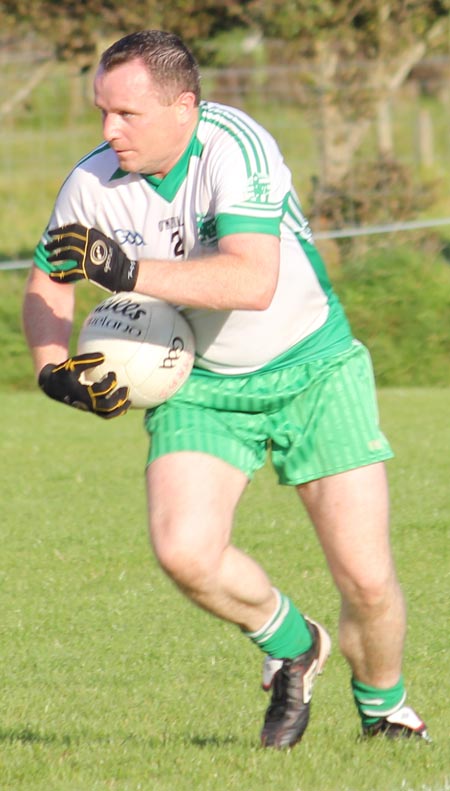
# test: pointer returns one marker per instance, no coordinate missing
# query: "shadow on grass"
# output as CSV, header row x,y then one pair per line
x,y
28,735
211,741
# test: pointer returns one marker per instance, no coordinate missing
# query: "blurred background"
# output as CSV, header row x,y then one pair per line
x,y
357,94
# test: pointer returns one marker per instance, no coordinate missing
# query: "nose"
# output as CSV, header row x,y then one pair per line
x,y
110,129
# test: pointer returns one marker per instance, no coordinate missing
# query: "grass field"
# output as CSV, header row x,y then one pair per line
x,y
112,682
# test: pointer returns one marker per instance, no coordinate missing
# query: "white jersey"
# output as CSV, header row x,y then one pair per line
x,y
231,179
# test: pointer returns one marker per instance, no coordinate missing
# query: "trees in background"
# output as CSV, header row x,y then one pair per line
x,y
76,27
360,53
357,54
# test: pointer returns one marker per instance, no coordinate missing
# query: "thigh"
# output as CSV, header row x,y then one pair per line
x,y
350,513
192,498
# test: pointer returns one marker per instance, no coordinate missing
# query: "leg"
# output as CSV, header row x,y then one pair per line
x,y
192,498
350,512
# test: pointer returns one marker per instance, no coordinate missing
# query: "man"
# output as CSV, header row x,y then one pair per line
x,y
192,203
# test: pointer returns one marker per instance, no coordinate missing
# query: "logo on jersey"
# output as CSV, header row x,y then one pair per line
x,y
170,223
125,236
207,231
258,187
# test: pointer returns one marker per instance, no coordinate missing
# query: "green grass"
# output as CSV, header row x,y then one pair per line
x,y
111,681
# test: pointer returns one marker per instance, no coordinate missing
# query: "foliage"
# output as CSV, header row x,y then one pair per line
x,y
375,192
77,28
398,301
361,53
371,29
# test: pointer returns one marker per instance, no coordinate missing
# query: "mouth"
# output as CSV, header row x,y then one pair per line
x,y
126,159
121,152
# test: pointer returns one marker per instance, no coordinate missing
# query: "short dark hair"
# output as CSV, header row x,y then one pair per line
x,y
169,61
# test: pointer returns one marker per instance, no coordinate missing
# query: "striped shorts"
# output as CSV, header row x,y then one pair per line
x,y
314,419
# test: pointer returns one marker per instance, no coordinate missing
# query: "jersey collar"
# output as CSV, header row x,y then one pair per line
x,y
168,186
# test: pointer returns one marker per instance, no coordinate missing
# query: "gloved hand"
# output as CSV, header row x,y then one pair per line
x,y
62,382
85,253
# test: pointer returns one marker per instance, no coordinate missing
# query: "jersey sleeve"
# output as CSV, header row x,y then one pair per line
x,y
75,202
250,180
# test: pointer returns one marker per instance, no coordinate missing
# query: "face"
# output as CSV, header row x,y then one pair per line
x,y
147,136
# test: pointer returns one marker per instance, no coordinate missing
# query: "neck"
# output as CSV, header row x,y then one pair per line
x,y
184,142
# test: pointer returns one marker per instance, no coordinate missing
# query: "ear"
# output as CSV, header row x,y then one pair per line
x,y
185,106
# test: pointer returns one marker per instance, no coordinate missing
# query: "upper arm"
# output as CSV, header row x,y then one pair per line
x,y
257,258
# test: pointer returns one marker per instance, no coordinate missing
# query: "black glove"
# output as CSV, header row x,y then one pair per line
x,y
89,254
62,383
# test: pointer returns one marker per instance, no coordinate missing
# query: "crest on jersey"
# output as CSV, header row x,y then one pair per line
x,y
258,187
207,230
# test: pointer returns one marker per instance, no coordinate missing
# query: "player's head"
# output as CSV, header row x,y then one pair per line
x,y
171,64
147,89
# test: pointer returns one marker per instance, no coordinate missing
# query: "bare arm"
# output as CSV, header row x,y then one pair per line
x,y
241,276
47,318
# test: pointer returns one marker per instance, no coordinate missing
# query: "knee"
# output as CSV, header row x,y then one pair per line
x,y
371,592
184,567
190,566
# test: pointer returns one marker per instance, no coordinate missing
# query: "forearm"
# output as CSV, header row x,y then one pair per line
x,y
205,284
242,276
47,322
47,318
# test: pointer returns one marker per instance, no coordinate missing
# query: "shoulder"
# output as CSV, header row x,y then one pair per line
x,y
99,165
91,175
227,129
226,121
86,187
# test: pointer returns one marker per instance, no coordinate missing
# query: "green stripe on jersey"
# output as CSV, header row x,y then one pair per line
x,y
243,134
232,223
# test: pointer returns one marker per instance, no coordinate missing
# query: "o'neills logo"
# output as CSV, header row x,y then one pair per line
x,y
117,325
174,353
122,307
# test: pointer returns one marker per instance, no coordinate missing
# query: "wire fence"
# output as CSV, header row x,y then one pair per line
x,y
342,233
48,123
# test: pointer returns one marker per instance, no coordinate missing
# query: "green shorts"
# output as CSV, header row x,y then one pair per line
x,y
316,419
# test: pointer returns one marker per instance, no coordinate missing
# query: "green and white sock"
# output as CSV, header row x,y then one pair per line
x,y
285,635
373,703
